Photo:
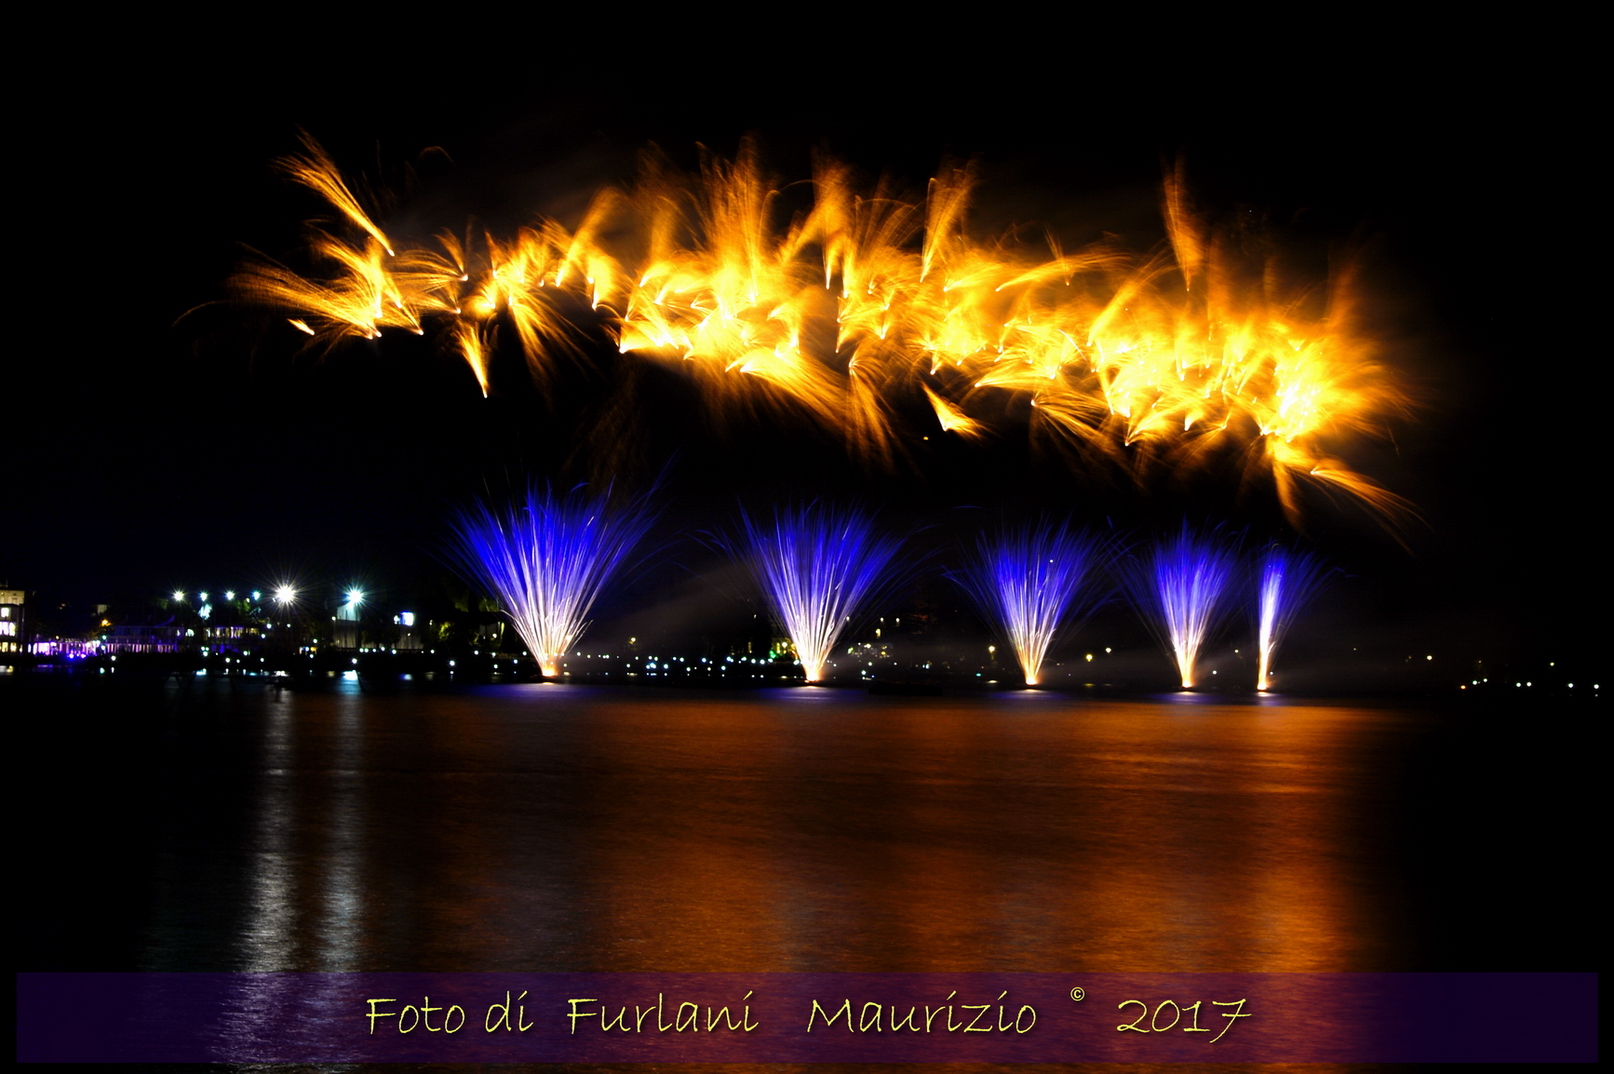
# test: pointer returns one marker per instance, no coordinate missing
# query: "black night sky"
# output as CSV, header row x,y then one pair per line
x,y
169,438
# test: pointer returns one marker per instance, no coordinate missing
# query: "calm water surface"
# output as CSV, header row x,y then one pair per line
x,y
214,824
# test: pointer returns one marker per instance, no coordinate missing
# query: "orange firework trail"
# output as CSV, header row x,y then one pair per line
x,y
870,301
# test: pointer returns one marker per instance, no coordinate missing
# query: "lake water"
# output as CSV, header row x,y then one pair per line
x,y
215,824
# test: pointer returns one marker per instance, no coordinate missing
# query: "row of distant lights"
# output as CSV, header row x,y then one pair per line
x,y
282,595
666,663
1521,685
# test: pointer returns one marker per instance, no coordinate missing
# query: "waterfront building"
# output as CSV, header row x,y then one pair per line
x,y
13,620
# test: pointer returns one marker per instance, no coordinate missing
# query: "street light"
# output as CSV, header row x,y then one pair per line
x,y
349,612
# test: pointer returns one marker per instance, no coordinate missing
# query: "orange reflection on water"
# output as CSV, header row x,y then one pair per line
x,y
575,828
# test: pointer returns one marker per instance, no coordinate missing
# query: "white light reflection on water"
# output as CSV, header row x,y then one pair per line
x,y
304,903
339,934
269,926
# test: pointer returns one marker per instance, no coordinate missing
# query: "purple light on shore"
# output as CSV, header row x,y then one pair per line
x,y
1179,588
548,559
818,567
1287,581
1026,582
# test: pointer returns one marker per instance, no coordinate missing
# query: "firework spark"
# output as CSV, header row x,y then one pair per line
x,y
1287,581
869,303
819,567
1027,582
1179,587
547,560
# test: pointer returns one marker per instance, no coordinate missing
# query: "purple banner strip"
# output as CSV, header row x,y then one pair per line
x,y
806,1017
